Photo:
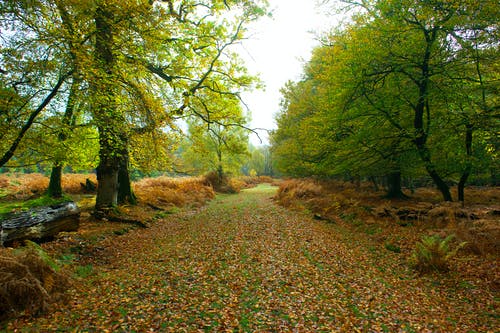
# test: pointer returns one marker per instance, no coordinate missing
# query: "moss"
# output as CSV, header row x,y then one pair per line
x,y
9,207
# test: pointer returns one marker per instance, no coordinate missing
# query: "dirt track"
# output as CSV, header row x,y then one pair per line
x,y
244,264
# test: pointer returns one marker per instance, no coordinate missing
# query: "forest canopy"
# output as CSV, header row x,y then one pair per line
x,y
407,89
103,84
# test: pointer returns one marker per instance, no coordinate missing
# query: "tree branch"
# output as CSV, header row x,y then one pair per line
x,y
8,155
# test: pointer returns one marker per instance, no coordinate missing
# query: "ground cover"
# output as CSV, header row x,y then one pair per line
x,y
245,264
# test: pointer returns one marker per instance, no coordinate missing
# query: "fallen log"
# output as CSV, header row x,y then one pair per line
x,y
39,223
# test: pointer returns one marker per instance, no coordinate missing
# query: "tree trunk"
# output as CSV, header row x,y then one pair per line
x,y
105,111
422,107
107,185
494,177
374,182
55,186
468,165
125,193
39,223
220,173
431,170
394,186
10,152
220,169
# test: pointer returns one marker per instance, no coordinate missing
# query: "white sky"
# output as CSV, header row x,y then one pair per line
x,y
276,50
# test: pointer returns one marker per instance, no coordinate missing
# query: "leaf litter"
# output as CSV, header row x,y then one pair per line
x,y
244,264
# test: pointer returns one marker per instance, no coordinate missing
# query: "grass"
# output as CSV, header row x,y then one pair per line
x,y
84,271
393,248
266,188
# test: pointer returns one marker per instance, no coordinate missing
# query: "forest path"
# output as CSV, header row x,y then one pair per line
x,y
244,264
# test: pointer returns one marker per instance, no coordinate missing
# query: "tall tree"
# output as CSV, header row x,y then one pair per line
x,y
393,87
217,141
142,62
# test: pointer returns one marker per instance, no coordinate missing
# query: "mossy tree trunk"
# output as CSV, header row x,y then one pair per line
x,y
125,192
106,112
55,185
468,165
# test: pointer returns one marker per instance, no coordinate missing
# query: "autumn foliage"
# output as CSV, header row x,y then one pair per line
x,y
28,282
475,224
232,184
245,264
167,191
25,186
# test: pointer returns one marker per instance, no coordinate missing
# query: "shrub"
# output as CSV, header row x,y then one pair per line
x,y
23,186
433,253
72,182
224,184
29,282
166,191
294,189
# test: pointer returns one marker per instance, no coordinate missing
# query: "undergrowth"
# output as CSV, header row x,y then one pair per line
x,y
365,210
24,186
433,253
29,281
167,191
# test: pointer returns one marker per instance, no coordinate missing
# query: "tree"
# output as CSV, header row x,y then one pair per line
x,y
33,70
327,133
220,145
142,64
189,65
415,47
392,92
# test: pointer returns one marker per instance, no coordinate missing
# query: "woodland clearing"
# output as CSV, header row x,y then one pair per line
x,y
242,263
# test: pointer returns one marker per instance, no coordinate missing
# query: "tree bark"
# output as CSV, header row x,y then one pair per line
x,y
55,186
468,165
374,182
431,171
107,183
422,108
125,193
9,153
39,223
106,114
394,190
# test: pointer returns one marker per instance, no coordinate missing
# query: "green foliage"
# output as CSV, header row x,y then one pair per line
x,y
434,253
392,92
219,147
259,162
84,271
125,71
393,248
